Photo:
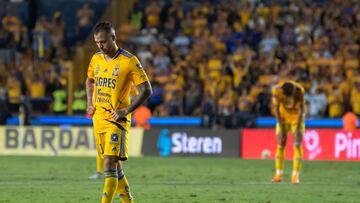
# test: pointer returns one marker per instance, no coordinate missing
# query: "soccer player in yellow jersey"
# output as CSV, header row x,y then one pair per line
x,y
288,100
112,73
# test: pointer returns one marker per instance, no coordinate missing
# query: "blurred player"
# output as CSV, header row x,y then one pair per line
x,y
111,74
288,100
99,168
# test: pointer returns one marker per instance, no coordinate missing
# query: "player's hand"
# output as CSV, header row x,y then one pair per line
x,y
119,114
90,109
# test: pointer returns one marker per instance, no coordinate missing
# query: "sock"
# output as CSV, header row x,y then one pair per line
x,y
297,160
123,187
279,160
99,164
110,186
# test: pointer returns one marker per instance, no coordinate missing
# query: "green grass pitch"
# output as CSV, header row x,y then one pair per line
x,y
195,180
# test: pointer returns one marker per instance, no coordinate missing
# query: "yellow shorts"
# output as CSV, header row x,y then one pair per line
x,y
111,139
290,128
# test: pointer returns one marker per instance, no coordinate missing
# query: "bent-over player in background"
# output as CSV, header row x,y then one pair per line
x,y
288,100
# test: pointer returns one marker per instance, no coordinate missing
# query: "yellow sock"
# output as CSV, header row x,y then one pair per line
x,y
297,160
110,186
99,164
123,188
279,160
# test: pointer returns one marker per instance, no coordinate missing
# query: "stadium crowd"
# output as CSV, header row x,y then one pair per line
x,y
213,58
221,58
35,63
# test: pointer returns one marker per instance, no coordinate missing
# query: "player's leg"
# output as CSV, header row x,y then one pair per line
x,y
111,158
123,186
99,165
298,135
111,178
99,143
99,168
281,135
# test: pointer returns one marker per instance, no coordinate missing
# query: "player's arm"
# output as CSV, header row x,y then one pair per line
x,y
300,116
276,105
145,91
89,95
90,82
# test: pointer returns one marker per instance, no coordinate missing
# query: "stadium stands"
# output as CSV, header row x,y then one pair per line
x,y
212,59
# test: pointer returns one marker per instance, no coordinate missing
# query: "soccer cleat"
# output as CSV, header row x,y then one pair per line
x,y
277,179
295,179
97,175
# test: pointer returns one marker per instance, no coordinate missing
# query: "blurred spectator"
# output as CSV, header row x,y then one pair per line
x,y
144,54
193,97
175,105
7,44
350,121
79,103
157,98
142,116
41,40
14,92
226,109
56,28
10,22
152,13
85,16
60,100
208,107
264,101
336,103
136,17
317,102
355,97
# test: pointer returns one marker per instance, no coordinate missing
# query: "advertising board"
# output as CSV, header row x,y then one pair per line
x,y
191,142
57,141
318,144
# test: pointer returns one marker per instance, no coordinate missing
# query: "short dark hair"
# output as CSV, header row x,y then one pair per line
x,y
104,26
288,88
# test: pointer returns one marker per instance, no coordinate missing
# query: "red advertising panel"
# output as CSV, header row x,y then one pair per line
x,y
318,144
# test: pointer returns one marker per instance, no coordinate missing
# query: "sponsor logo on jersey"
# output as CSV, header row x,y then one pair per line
x,y
104,94
102,100
105,82
115,71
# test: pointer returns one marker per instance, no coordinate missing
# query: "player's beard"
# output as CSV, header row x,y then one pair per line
x,y
104,51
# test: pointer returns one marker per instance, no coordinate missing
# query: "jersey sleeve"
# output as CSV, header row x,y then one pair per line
x,y
91,68
137,73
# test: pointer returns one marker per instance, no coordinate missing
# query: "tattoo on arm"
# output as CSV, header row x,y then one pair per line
x,y
145,92
89,89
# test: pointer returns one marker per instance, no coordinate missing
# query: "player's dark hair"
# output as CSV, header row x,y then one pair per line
x,y
104,26
288,88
